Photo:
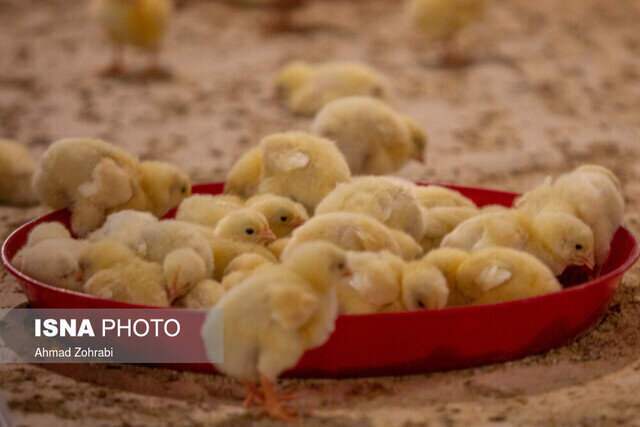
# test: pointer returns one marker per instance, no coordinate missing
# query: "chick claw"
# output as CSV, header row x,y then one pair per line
x,y
271,404
253,395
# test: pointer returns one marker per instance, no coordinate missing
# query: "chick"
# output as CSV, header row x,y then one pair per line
x,y
94,179
592,193
247,225
374,139
494,275
47,230
447,261
139,23
206,209
241,268
557,239
307,88
53,261
424,287
440,221
282,213
278,246
124,227
349,231
205,294
442,20
244,176
182,250
434,196
408,248
272,318
16,169
375,284
302,167
101,255
389,200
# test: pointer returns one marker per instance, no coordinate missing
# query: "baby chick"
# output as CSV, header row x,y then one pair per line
x,y
282,213
124,227
246,225
205,294
374,139
592,193
94,178
47,230
447,261
272,318
206,209
440,221
424,287
435,196
557,239
242,267
441,20
16,169
306,88
244,176
389,200
139,23
494,275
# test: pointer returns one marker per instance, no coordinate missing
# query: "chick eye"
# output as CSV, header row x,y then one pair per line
x,y
249,230
183,190
283,218
578,246
420,304
341,265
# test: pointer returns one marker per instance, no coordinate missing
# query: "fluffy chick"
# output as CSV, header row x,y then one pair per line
x,y
558,239
244,176
424,287
442,20
440,221
435,196
272,318
206,209
205,294
306,88
494,275
246,225
47,230
139,23
94,179
374,139
282,213
592,193
124,227
389,200
448,260
17,166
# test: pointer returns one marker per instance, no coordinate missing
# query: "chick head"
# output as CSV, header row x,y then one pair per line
x,y
566,237
424,287
282,213
322,264
246,225
50,262
183,269
164,185
292,77
418,138
101,255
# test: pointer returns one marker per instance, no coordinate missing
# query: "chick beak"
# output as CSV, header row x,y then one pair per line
x,y
347,272
267,236
79,276
589,261
172,292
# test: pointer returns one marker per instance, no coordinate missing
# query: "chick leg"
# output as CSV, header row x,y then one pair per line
x,y
253,394
271,405
116,66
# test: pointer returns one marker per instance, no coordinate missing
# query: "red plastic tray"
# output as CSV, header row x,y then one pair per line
x,y
412,342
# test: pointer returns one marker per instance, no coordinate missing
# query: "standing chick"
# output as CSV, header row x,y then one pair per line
x,y
592,193
307,88
557,239
272,318
16,169
442,20
124,227
247,225
94,179
139,23
282,213
389,200
206,209
375,139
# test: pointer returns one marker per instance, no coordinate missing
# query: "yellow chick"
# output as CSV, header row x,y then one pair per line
x,y
17,166
374,285
434,196
307,88
205,294
244,176
282,213
494,275
374,139
247,225
387,199
206,209
440,221
424,287
349,231
272,318
47,230
557,239
278,246
591,193
442,20
53,261
138,23
447,261
242,267
94,179
124,227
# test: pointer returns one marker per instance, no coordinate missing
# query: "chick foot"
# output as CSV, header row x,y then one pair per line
x,y
254,395
271,404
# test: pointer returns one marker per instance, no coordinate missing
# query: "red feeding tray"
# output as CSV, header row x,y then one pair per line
x,y
411,342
